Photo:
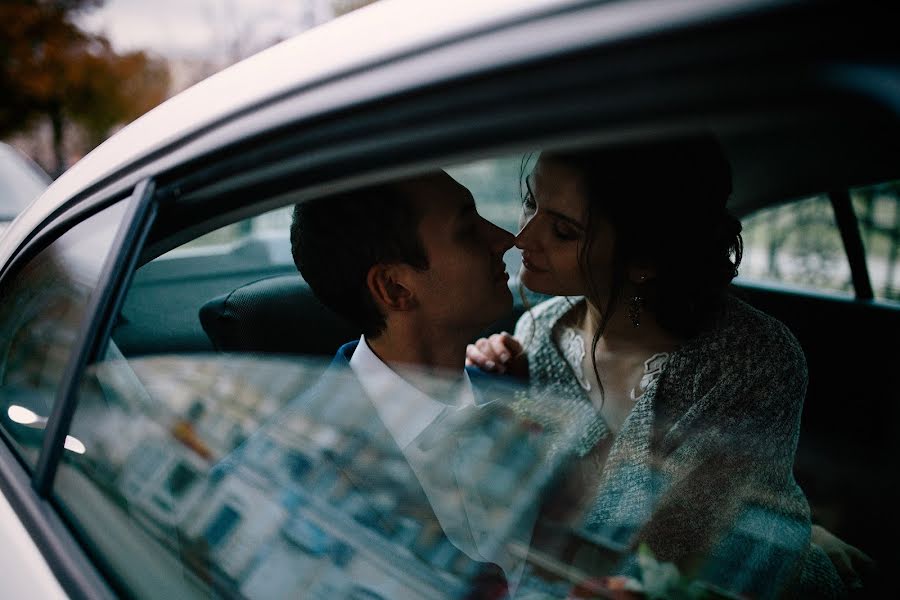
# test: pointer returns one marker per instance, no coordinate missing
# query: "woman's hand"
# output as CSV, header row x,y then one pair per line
x,y
499,353
853,565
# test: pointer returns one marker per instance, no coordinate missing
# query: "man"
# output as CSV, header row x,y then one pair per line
x,y
411,263
414,266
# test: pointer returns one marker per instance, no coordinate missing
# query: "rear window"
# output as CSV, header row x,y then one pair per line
x,y
798,244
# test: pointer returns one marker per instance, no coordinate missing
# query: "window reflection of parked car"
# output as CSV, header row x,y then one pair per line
x,y
21,181
152,324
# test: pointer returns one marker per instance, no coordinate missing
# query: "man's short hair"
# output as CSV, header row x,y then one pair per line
x,y
336,240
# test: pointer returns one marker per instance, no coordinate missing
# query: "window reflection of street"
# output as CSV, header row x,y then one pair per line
x,y
205,455
225,473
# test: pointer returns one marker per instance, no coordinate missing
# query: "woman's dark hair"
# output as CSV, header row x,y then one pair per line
x,y
666,202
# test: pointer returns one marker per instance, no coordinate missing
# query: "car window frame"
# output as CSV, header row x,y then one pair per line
x,y
30,494
93,335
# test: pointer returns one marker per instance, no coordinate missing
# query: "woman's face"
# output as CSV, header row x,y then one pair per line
x,y
554,230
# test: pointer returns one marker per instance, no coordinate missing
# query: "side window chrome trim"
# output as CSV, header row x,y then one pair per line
x,y
94,331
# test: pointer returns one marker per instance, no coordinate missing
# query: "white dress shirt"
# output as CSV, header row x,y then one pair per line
x,y
407,412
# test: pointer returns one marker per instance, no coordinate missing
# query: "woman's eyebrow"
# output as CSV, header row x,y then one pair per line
x,y
566,218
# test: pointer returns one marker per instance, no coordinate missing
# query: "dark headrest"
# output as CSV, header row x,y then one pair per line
x,y
274,315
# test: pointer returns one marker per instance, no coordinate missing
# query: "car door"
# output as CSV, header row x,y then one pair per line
x,y
139,489
52,295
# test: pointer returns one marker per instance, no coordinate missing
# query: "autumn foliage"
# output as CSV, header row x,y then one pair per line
x,y
50,68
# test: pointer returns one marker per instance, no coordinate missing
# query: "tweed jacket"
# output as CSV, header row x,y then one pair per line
x,y
701,470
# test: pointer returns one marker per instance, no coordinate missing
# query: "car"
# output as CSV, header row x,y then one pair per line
x,y
153,325
22,181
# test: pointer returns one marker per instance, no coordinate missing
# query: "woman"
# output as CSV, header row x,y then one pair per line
x,y
687,400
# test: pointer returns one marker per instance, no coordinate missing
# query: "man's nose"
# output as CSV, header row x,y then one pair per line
x,y
503,240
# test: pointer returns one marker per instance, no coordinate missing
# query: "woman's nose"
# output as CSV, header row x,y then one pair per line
x,y
525,238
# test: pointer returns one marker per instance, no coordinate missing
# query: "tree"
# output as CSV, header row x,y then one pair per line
x,y
105,89
53,69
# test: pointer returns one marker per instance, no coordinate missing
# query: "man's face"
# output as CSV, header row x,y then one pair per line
x,y
465,287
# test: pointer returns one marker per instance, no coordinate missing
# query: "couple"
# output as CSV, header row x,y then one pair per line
x,y
679,405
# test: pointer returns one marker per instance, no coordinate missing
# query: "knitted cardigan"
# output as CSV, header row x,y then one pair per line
x,y
701,470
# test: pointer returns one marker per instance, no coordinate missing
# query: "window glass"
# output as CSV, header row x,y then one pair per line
x,y
265,227
42,307
797,244
153,429
878,211
242,474
262,241
496,184
294,464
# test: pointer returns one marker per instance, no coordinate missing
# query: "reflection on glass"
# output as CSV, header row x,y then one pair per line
x,y
264,477
42,308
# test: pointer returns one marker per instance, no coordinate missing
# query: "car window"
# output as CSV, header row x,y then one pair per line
x,y
269,471
496,184
878,210
262,237
153,430
799,243
238,474
42,307
262,242
244,474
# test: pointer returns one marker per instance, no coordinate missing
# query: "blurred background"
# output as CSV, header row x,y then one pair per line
x,y
72,72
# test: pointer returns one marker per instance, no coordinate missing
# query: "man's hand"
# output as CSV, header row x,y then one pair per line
x,y
499,353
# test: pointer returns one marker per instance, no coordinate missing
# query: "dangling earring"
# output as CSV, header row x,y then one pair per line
x,y
635,304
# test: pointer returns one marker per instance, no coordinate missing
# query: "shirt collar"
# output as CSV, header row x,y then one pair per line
x,y
405,410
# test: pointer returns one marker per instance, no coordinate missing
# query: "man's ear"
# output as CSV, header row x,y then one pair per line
x,y
388,288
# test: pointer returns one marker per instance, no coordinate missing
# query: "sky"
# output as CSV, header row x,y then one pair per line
x,y
202,28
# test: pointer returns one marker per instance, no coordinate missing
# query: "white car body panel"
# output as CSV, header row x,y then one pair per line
x,y
25,573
